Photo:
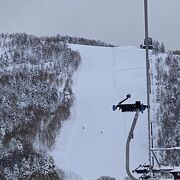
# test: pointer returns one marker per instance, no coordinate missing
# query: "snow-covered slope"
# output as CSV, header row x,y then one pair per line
x,y
92,143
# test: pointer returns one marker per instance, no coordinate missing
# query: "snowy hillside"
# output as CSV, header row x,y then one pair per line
x,y
46,89
92,143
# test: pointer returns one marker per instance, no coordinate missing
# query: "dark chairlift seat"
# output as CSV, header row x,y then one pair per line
x,y
150,44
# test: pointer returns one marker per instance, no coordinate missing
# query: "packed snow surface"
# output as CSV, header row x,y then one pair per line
x,y
92,143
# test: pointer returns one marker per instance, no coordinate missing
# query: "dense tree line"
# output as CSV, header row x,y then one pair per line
x,y
168,114
106,178
82,41
158,47
176,52
35,97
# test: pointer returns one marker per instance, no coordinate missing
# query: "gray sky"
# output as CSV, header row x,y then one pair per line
x,y
120,22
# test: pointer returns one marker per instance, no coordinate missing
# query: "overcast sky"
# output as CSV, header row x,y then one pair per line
x,y
120,22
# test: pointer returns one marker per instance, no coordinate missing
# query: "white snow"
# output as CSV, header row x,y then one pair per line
x,y
92,143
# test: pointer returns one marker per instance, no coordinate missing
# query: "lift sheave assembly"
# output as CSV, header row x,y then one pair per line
x,y
130,107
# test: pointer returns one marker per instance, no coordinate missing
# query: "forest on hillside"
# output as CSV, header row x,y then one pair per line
x,y
35,97
168,100
80,41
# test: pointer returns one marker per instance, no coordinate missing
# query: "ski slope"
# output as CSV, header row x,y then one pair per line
x,y
92,143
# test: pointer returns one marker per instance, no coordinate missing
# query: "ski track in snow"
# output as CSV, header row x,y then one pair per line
x,y
92,143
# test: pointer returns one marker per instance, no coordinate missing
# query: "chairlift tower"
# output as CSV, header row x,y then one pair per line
x,y
148,81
